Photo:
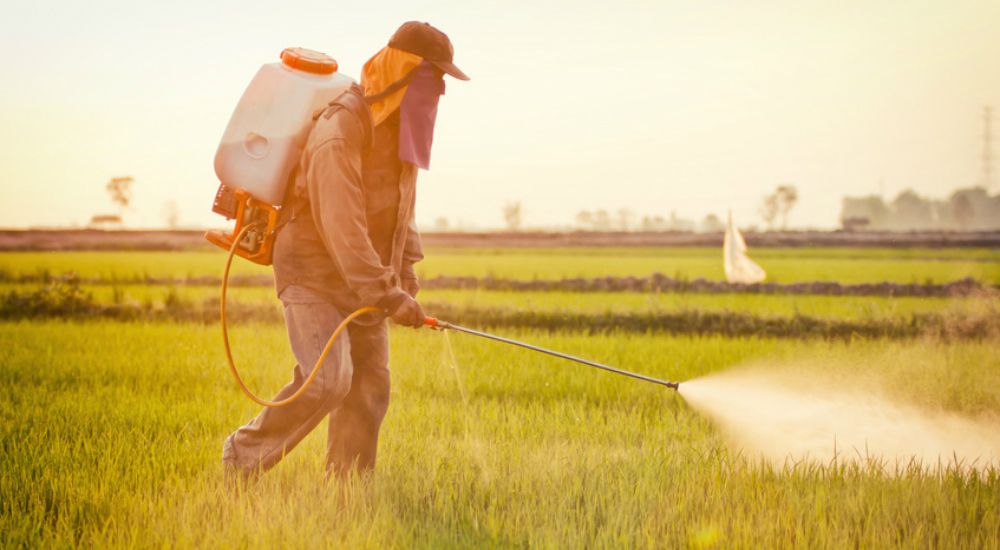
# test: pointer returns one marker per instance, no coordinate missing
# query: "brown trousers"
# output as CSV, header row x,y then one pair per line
x,y
352,388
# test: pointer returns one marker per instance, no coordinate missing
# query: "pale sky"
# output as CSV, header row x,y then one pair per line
x,y
693,107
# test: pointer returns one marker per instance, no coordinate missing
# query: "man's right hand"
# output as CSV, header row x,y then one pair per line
x,y
409,314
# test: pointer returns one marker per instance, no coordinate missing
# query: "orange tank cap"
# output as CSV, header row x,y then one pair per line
x,y
309,61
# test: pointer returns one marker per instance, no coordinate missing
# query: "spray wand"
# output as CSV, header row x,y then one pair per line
x,y
438,324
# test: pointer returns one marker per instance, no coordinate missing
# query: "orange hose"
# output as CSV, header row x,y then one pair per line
x,y
229,353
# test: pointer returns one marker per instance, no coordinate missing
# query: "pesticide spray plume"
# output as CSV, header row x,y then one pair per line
x,y
788,419
807,416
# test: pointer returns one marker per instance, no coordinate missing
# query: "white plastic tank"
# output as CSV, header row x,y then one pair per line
x,y
271,123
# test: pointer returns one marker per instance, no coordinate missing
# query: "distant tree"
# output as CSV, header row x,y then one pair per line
x,y
441,224
171,214
911,212
512,215
625,217
962,211
602,221
120,190
677,223
584,219
653,223
712,224
868,212
788,195
778,204
973,209
967,209
769,209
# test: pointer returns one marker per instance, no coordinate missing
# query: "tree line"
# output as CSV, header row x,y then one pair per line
x,y
971,209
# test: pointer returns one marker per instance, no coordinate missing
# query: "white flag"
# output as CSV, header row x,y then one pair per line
x,y
739,267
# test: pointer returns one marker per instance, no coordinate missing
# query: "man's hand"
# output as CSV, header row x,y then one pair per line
x,y
409,314
410,286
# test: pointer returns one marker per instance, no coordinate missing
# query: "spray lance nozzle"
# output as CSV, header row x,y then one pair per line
x,y
438,324
435,323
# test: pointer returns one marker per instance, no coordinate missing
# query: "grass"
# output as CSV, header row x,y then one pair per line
x,y
110,431
847,266
117,444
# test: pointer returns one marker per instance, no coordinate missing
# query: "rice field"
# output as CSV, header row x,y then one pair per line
x,y
112,429
783,265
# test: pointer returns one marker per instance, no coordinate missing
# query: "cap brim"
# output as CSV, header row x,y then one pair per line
x,y
450,69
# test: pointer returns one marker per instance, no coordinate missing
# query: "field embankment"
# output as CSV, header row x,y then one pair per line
x,y
193,239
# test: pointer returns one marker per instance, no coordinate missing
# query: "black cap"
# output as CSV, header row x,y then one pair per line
x,y
429,43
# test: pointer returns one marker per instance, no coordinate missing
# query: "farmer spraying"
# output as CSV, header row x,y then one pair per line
x,y
319,175
347,242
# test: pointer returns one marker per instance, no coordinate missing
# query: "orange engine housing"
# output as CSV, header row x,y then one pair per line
x,y
257,244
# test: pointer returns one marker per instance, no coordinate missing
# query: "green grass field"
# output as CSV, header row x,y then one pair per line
x,y
112,430
114,440
782,265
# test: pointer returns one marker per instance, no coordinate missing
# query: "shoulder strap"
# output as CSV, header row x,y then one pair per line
x,y
290,204
352,100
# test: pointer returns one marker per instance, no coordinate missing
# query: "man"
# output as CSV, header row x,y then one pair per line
x,y
351,242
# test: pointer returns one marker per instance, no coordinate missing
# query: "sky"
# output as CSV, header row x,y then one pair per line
x,y
657,107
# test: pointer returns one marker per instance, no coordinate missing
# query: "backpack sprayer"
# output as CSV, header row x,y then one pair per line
x,y
259,150
262,145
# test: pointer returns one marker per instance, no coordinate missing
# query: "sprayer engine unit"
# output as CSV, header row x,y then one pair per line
x,y
257,243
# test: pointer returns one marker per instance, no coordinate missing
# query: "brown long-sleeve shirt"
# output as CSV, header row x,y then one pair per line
x,y
352,237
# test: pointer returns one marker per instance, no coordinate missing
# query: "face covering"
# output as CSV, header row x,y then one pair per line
x,y
384,69
417,114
